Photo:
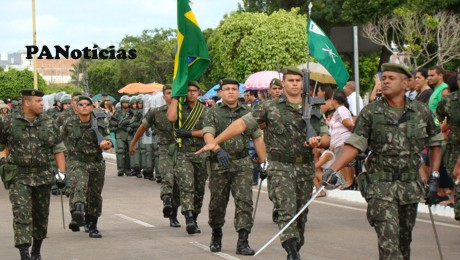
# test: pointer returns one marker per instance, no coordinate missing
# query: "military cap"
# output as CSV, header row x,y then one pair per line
x,y
139,98
66,99
396,68
228,81
276,81
194,83
292,70
124,99
84,97
32,92
77,93
132,99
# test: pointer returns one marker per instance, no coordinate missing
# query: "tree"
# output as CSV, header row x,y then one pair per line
x,y
105,76
12,81
420,39
248,42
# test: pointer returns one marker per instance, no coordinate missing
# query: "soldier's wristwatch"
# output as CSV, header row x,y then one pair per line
x,y
435,174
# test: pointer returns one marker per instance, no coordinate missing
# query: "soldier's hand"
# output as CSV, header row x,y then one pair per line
x,y
332,179
432,191
105,145
208,147
132,149
223,157
182,133
60,179
148,133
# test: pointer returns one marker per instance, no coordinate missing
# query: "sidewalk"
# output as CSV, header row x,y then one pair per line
x,y
355,196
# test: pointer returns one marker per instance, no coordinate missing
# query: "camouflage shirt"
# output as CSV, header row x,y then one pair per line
x,y
53,112
136,121
449,108
286,131
156,118
64,115
398,133
193,142
80,139
220,116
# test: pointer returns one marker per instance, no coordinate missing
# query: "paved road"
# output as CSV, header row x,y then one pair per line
x,y
133,228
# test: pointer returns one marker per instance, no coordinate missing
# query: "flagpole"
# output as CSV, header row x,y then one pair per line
x,y
34,43
310,5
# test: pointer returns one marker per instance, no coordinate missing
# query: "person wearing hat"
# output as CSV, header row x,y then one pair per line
x,y
289,163
66,100
72,110
190,169
276,88
4,111
135,160
395,129
88,170
32,138
231,168
119,123
56,109
156,118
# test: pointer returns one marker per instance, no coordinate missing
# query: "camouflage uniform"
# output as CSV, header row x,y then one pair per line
x,y
156,118
88,169
30,146
135,159
191,169
449,107
53,112
291,168
122,119
236,179
395,136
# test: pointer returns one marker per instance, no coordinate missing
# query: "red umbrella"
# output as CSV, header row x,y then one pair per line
x,y
138,88
261,80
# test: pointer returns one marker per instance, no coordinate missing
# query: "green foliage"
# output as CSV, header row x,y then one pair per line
x,y
104,76
368,66
245,43
12,81
59,88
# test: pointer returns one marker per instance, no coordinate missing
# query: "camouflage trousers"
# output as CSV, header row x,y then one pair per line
x,y
453,155
87,184
393,224
135,159
122,152
238,180
191,171
169,181
30,211
290,187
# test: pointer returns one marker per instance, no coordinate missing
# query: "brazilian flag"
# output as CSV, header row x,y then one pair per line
x,y
192,57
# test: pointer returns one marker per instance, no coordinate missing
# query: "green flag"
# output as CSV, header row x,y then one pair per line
x,y
192,55
322,49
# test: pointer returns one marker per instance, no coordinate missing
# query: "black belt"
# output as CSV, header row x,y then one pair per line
x,y
285,158
393,176
235,156
32,170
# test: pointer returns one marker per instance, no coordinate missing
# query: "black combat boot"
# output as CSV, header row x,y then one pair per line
x,y
189,222
242,247
93,232
87,222
216,240
159,178
290,246
147,174
73,225
173,222
197,228
167,206
79,214
35,253
24,251
138,172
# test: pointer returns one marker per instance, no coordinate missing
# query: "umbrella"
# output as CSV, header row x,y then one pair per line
x,y
261,80
318,73
137,88
99,97
212,92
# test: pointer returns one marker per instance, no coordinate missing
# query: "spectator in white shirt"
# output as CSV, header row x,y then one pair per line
x,y
349,90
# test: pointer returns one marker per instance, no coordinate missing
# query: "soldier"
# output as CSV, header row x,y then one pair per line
x,y
32,137
191,169
396,130
56,109
85,147
164,130
119,123
134,123
448,108
65,102
276,88
71,110
291,166
226,176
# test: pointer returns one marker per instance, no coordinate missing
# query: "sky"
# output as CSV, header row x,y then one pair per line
x,y
105,22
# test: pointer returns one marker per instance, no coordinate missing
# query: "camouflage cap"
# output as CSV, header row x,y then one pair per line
x,y
66,99
32,93
276,82
292,71
227,81
84,97
194,83
396,68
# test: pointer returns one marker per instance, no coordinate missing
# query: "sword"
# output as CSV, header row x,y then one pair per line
x,y
257,201
292,220
62,207
435,233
